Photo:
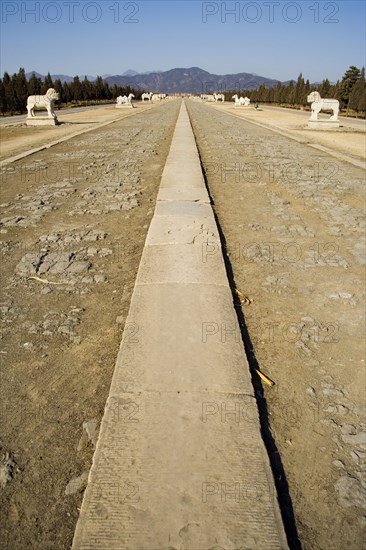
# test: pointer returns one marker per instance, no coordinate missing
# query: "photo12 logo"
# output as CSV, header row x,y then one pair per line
x,y
70,12
270,172
114,492
276,252
54,171
269,12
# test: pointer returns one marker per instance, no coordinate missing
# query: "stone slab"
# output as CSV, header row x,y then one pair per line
x,y
182,263
163,481
183,193
41,121
183,230
184,208
183,337
180,463
192,176
323,124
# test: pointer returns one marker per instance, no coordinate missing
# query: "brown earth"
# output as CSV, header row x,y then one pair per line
x,y
349,139
77,214
17,137
74,218
293,225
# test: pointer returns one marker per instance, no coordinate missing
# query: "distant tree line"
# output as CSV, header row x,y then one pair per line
x,y
350,91
15,89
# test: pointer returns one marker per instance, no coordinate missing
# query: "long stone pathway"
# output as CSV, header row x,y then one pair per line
x,y
180,463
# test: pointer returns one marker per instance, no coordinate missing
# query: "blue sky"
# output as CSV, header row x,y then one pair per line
x,y
276,39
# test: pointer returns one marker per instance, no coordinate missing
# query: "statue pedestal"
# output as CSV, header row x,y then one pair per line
x,y
125,106
323,124
41,121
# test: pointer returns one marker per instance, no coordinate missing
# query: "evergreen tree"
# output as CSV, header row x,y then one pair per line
x,y
277,93
87,89
261,94
8,93
291,93
107,91
307,89
59,89
116,90
361,107
271,93
48,83
324,88
34,85
3,104
358,91
99,88
335,90
348,82
300,90
67,95
76,89
20,88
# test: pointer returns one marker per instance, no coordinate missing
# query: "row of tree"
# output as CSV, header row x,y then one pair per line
x,y
350,91
15,89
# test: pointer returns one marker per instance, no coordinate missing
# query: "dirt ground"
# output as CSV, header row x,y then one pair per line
x,y
73,224
17,137
349,139
293,225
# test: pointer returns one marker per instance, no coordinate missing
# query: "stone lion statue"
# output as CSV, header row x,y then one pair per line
x,y
42,102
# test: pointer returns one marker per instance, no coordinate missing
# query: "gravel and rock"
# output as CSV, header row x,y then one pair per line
x,y
293,226
73,221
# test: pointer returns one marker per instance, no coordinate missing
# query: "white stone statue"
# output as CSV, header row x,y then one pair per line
x,y
146,96
42,102
207,97
318,104
121,100
219,97
241,101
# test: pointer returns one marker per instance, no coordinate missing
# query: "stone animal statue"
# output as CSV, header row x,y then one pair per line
x,y
146,96
42,102
318,104
207,97
241,101
238,101
219,97
121,100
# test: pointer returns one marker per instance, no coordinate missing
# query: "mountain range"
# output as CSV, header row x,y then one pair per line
x,y
186,80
